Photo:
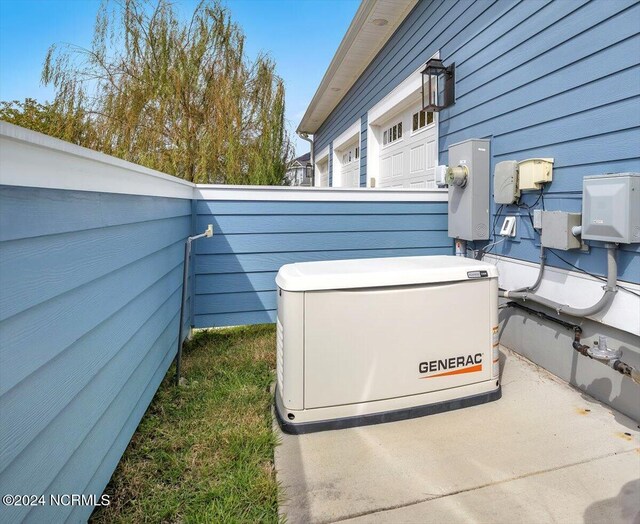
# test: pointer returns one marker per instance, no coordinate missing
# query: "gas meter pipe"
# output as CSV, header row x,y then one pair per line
x,y
598,353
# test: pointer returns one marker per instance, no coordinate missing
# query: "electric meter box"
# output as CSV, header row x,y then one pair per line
x,y
378,340
611,208
469,200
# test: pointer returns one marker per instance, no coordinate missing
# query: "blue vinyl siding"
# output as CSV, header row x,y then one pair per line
x,y
89,316
236,269
539,78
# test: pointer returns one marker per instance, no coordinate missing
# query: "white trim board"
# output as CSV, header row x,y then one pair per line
x,y
318,194
32,159
349,134
347,140
400,98
574,288
322,155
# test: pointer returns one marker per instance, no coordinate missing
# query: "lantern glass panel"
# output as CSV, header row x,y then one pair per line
x,y
430,92
434,90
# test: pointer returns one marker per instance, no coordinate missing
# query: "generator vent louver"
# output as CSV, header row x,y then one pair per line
x,y
279,359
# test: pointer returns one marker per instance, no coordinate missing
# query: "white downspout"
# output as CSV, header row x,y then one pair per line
x,y
305,136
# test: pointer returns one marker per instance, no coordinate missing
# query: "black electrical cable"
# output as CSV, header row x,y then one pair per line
x,y
529,207
591,274
495,220
498,214
528,213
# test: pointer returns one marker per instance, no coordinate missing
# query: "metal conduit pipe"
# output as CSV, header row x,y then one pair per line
x,y
536,284
609,292
183,304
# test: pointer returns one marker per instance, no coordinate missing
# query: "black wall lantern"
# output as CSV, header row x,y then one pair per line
x,y
433,70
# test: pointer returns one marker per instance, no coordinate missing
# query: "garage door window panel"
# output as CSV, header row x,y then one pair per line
x,y
347,173
420,121
392,135
409,160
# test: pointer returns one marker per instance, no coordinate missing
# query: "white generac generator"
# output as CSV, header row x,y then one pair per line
x,y
378,340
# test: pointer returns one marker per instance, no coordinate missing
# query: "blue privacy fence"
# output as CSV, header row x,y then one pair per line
x,y
89,313
91,254
235,271
89,317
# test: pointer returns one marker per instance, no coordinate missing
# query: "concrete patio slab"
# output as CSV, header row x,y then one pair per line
x,y
544,452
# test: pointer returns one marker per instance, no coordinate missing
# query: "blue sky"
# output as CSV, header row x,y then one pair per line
x,y
301,35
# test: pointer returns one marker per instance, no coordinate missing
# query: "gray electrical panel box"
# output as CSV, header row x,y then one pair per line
x,y
556,230
469,192
505,182
611,208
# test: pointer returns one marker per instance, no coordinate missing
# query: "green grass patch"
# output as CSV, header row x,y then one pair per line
x,y
204,451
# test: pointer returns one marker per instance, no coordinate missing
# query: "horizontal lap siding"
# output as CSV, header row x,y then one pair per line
x,y
539,78
236,269
89,315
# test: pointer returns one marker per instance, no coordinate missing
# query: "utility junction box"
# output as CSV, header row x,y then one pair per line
x,y
533,173
505,182
611,208
556,230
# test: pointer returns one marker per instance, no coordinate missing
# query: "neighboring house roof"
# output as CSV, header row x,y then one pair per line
x,y
362,42
304,158
301,161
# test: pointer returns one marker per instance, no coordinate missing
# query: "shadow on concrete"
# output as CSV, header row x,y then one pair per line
x,y
549,346
604,386
626,504
298,493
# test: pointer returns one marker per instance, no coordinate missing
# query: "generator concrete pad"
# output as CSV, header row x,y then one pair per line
x,y
545,452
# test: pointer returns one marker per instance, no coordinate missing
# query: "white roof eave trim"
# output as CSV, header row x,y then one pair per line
x,y
325,100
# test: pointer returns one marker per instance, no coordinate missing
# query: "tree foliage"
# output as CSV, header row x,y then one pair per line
x,y
70,124
177,96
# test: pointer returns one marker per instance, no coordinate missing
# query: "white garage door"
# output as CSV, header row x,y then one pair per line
x,y
408,150
347,166
322,173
